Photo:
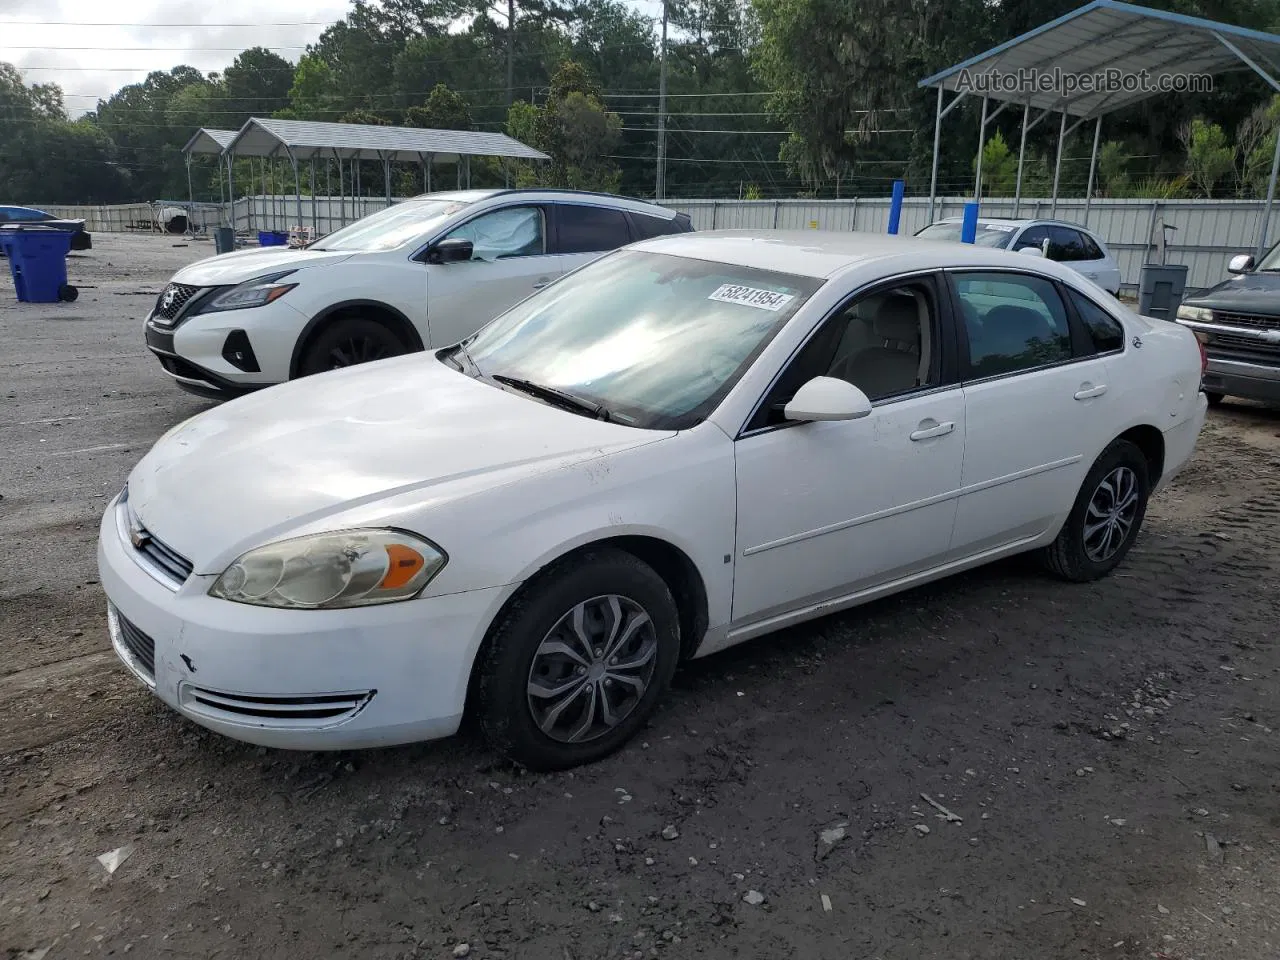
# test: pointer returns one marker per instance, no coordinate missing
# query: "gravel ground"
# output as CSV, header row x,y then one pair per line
x,y
1108,749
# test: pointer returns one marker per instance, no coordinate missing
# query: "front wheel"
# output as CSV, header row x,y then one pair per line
x,y
579,661
1105,518
348,342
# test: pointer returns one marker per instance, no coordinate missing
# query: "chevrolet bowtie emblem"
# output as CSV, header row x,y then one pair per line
x,y
138,537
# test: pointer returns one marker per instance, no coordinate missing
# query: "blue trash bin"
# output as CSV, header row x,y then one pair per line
x,y
38,263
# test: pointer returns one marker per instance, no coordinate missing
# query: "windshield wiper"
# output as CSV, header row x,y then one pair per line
x,y
559,397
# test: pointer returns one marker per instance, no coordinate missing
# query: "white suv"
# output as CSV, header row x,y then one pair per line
x,y
1070,244
420,274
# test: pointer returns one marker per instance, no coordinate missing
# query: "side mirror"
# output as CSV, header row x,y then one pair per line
x,y
827,398
1031,251
1241,263
450,250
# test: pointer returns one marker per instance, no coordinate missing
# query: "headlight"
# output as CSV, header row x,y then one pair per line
x,y
348,568
1198,314
252,293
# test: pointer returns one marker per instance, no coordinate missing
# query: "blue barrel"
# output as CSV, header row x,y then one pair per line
x,y
272,238
38,263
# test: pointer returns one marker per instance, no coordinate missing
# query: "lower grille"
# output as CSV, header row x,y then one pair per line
x,y
141,648
316,710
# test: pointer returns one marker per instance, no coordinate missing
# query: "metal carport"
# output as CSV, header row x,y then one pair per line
x,y
1117,45
305,140
209,142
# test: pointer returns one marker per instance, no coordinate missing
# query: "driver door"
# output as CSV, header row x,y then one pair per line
x,y
830,509
509,261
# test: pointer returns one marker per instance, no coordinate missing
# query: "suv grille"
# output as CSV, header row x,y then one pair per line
x,y
1253,320
172,299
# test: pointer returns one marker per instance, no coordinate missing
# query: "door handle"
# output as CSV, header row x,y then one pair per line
x,y
937,430
1087,392
542,282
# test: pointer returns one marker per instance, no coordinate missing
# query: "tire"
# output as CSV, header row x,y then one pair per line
x,y
348,342
67,293
1215,399
538,731
1122,466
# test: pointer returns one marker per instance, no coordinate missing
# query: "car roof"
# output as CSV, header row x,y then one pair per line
x,y
821,254
553,194
1018,222
11,206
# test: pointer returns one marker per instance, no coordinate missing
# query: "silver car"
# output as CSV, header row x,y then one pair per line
x,y
1068,243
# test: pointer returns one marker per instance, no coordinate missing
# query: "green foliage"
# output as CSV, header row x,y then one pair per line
x,y
367,117
753,192
575,130
444,110
1209,157
999,167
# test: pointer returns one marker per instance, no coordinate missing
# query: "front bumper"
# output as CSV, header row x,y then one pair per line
x,y
1237,378
294,679
194,350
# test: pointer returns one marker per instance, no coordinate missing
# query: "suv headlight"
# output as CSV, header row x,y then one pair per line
x,y
251,293
324,571
1197,314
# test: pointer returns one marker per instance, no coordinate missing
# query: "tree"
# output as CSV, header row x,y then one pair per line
x,y
999,167
1256,138
367,117
312,95
577,132
444,110
1209,157
257,84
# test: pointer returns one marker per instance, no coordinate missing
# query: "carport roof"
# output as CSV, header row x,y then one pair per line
x,y
207,140
305,139
1105,35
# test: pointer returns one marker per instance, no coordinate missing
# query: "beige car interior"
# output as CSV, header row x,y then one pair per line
x,y
886,348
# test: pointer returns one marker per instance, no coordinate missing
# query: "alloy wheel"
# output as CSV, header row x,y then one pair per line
x,y
356,350
592,669
1112,510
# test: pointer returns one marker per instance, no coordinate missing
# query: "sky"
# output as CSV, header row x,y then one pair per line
x,y
91,48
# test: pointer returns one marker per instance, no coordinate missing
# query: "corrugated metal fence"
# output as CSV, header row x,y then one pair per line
x,y
1208,234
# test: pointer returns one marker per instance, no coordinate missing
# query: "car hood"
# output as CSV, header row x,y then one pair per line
x,y
267,465
1249,293
242,265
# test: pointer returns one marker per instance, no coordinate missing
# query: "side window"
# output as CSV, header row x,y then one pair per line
x,y
1066,245
647,226
1105,331
585,229
513,232
884,343
1091,249
1033,237
1014,322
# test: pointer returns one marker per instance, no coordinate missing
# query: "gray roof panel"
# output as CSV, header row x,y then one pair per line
x,y
1107,35
208,140
305,139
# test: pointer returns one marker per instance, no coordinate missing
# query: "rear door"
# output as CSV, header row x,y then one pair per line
x,y
510,260
581,232
1039,407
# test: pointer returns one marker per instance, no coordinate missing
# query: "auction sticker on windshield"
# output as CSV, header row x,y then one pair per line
x,y
751,297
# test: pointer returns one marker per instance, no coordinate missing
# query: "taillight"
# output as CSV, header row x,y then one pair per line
x,y
1201,340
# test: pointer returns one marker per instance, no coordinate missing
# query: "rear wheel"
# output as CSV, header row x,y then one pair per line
x,y
1106,517
579,661
348,342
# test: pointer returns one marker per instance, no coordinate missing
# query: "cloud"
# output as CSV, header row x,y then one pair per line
x,y
65,42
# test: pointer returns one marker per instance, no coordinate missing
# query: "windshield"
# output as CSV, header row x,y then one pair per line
x,y
650,339
392,227
1270,260
988,235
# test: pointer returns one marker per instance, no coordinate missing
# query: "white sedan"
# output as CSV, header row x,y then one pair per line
x,y
688,443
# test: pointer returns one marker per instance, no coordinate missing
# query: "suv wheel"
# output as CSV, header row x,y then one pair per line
x,y
348,342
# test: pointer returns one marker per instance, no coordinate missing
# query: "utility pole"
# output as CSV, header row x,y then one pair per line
x,y
511,50
662,111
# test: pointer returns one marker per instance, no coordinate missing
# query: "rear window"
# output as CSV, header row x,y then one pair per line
x,y
584,229
988,235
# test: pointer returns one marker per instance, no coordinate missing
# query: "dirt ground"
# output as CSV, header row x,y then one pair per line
x,y
1109,750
